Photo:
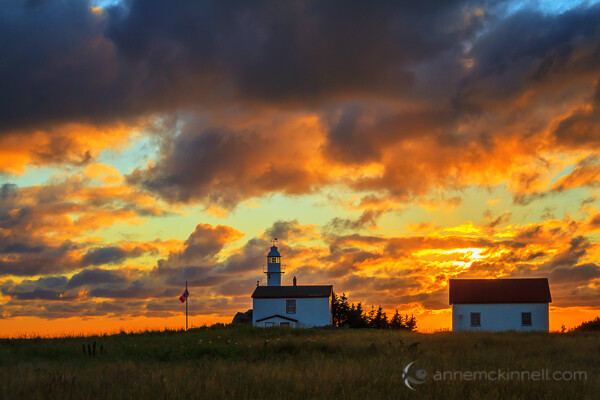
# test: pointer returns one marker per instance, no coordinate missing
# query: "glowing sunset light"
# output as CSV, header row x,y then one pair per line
x,y
389,146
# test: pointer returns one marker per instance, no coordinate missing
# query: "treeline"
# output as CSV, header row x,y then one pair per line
x,y
349,315
588,326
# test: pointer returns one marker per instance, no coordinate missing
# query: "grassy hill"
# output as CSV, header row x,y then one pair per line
x,y
227,363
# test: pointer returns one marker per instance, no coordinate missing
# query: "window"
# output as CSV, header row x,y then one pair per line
x,y
274,260
269,324
526,319
290,306
475,319
285,324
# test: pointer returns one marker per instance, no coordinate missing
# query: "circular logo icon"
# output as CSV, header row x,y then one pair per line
x,y
413,375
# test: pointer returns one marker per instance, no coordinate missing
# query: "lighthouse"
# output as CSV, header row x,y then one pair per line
x,y
274,270
295,306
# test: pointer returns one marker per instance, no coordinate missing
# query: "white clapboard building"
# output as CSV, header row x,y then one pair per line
x,y
293,306
500,304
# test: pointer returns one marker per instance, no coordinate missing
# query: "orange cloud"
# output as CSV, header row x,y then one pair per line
x,y
587,173
415,120
70,143
408,273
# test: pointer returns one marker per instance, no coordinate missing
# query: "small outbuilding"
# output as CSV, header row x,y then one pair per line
x,y
500,304
292,306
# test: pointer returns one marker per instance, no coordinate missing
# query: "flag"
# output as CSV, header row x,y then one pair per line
x,y
184,296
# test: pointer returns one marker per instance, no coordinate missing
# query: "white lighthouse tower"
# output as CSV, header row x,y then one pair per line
x,y
296,306
274,270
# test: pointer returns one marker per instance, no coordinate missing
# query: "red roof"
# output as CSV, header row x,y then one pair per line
x,y
481,291
291,292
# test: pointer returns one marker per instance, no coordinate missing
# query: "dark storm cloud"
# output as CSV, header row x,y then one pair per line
x,y
362,132
197,260
27,285
581,127
143,57
95,277
201,276
224,166
52,310
93,283
60,288
44,258
68,62
251,256
134,291
41,294
579,274
48,259
118,308
45,288
108,255
367,69
53,66
546,51
529,48
275,50
8,190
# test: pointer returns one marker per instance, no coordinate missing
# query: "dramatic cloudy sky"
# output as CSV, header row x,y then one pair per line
x,y
388,145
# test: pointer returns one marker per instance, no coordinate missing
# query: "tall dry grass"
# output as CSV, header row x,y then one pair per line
x,y
276,363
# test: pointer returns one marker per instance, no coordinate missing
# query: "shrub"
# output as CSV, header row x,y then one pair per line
x,y
588,326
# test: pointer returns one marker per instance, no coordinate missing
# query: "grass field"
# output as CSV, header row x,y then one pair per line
x,y
228,363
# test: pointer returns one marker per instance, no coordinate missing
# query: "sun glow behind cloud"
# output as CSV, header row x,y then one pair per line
x,y
386,161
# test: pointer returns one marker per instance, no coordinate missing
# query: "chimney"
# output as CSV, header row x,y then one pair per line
x,y
294,281
257,283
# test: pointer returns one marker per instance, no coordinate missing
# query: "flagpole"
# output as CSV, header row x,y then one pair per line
x,y
186,308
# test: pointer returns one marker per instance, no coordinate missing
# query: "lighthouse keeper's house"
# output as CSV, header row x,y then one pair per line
x,y
292,306
500,304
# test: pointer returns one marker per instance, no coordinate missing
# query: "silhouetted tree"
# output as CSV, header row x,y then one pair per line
x,y
396,321
378,319
371,317
339,309
335,310
588,326
410,323
345,314
357,317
